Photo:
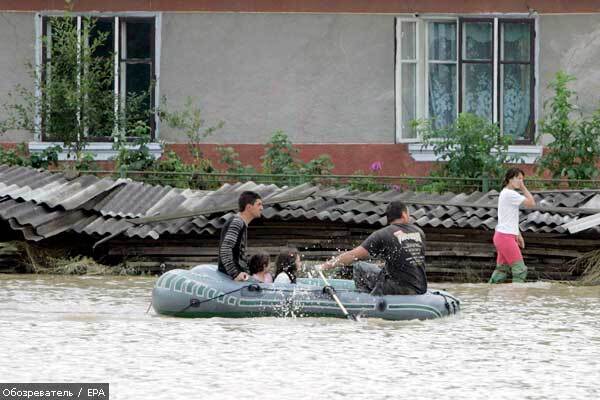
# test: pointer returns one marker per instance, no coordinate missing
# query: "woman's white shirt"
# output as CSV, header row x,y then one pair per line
x,y
508,211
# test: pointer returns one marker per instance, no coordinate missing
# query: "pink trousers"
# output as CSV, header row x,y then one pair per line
x,y
507,248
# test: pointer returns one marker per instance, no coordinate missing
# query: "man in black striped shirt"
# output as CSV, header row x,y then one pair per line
x,y
234,237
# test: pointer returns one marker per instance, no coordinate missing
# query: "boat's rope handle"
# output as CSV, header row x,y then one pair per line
x,y
454,301
196,302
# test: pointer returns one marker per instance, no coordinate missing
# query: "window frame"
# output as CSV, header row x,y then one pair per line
x,y
122,21
424,63
398,75
117,19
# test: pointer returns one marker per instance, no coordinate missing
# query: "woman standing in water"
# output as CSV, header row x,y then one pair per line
x,y
507,238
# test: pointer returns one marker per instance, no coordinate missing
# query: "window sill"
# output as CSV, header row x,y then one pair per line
x,y
529,153
102,151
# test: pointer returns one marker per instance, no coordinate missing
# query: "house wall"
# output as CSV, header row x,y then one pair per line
x,y
312,6
17,41
320,78
571,43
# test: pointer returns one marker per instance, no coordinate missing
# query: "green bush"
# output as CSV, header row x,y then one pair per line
x,y
230,158
189,120
20,156
179,174
134,156
575,149
280,158
280,155
365,183
470,148
85,163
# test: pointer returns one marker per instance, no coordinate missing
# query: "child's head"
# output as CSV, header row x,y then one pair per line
x,y
258,263
288,261
511,174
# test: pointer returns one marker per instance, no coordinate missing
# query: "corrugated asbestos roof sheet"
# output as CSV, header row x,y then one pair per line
x,y
42,204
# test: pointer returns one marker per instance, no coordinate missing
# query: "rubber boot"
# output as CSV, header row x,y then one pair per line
x,y
500,274
519,271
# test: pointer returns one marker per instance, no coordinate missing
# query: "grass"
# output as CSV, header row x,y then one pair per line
x,y
58,261
589,263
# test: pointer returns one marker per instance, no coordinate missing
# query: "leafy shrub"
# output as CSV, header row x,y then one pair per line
x,y
85,162
172,164
575,149
230,158
280,155
134,156
471,148
365,183
20,156
189,120
281,158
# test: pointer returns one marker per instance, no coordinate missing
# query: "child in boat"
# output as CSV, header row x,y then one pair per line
x,y
259,267
507,238
287,266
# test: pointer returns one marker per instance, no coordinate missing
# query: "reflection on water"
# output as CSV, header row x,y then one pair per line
x,y
537,340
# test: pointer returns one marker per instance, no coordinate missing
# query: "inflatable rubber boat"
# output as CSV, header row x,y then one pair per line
x,y
205,292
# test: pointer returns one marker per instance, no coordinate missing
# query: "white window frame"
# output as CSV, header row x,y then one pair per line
x,y
101,150
529,152
419,72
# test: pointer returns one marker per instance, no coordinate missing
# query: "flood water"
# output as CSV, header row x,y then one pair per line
x,y
529,341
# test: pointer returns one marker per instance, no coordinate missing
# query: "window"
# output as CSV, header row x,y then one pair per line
x,y
484,66
109,63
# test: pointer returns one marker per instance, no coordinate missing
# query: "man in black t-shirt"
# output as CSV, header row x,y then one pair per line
x,y
401,245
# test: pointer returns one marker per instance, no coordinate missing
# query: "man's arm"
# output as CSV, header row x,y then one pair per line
x,y
226,249
358,253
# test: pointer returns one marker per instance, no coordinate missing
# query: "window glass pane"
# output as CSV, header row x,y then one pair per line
x,y
101,38
137,102
139,39
477,89
442,94
138,78
100,122
408,40
442,41
409,99
59,93
477,40
61,41
516,99
516,42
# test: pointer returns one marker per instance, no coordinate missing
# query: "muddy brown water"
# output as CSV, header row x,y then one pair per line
x,y
516,341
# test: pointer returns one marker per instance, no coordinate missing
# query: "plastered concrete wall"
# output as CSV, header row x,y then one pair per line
x,y
571,43
319,78
17,41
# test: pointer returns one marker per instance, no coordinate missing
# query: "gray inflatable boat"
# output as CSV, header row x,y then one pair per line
x,y
205,292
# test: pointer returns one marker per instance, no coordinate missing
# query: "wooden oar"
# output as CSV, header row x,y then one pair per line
x,y
331,292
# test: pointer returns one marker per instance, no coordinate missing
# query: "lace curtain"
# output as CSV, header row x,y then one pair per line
x,y
478,78
442,73
516,79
